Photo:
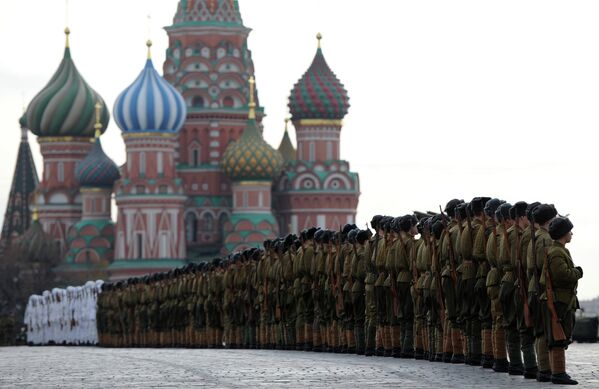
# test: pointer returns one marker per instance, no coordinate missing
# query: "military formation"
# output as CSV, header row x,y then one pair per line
x,y
63,316
484,283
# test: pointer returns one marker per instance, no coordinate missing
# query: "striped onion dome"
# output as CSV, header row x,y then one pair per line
x,y
97,170
318,94
250,157
150,104
65,106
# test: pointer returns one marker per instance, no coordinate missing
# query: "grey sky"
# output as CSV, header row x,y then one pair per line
x,y
448,99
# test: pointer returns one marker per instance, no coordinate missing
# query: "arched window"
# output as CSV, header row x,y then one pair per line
x,y
228,102
142,163
195,157
208,222
191,227
312,152
329,150
60,172
160,163
197,102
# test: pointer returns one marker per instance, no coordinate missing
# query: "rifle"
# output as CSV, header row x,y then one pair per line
x,y
533,239
557,330
453,272
440,297
521,280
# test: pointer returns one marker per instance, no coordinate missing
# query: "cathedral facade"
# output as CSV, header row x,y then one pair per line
x,y
199,179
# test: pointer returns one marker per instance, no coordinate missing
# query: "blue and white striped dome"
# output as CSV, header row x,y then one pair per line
x,y
150,104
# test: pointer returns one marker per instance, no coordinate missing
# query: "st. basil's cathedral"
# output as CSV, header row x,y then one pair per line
x,y
199,180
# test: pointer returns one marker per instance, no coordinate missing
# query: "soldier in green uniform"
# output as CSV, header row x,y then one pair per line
x,y
306,287
317,276
509,250
564,278
419,279
453,345
357,275
378,258
541,217
436,317
403,261
482,253
390,285
348,307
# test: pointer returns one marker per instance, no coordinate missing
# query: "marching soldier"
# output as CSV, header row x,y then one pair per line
x,y
560,280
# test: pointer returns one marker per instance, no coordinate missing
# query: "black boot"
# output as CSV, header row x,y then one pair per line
x,y
544,376
531,373
447,357
516,370
563,379
457,358
500,366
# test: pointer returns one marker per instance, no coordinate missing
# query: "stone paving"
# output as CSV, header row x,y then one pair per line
x,y
91,367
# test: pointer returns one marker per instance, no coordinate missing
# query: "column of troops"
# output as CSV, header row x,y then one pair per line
x,y
484,283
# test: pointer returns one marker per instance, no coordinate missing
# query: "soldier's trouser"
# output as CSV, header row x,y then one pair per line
x,y
557,354
485,318
406,319
358,302
541,349
300,322
527,338
506,297
370,317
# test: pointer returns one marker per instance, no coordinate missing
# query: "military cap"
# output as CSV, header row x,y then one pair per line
x,y
422,224
289,239
326,238
451,205
297,244
406,222
375,222
311,232
351,236
347,228
503,212
491,206
437,229
518,209
477,204
461,211
559,227
362,236
318,236
530,209
304,235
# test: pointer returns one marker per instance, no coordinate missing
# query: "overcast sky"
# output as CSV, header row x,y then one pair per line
x,y
448,98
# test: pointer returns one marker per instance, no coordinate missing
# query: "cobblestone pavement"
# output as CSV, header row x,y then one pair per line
x,y
76,367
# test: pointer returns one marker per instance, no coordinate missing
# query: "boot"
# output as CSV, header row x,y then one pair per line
x,y
316,339
500,366
308,336
544,376
351,341
360,341
457,345
396,341
559,376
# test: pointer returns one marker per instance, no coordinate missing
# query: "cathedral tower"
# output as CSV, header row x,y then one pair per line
x,y
150,198
62,117
317,188
251,163
209,62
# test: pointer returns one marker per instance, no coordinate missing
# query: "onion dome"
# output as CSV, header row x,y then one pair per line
x,y
286,148
250,157
65,107
150,104
318,94
97,170
35,245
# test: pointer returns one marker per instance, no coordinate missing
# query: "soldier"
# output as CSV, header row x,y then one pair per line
x,y
420,278
370,298
509,250
560,279
436,317
485,253
348,307
540,218
306,286
403,263
453,346
357,275
317,275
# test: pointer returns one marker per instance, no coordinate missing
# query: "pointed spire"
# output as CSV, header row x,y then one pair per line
x,y
67,32
18,214
252,104
319,37
286,147
98,125
149,44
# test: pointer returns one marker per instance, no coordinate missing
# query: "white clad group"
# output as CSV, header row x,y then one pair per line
x,y
63,316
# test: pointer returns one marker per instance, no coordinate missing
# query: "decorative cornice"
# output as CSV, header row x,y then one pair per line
x,y
63,139
149,134
318,122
